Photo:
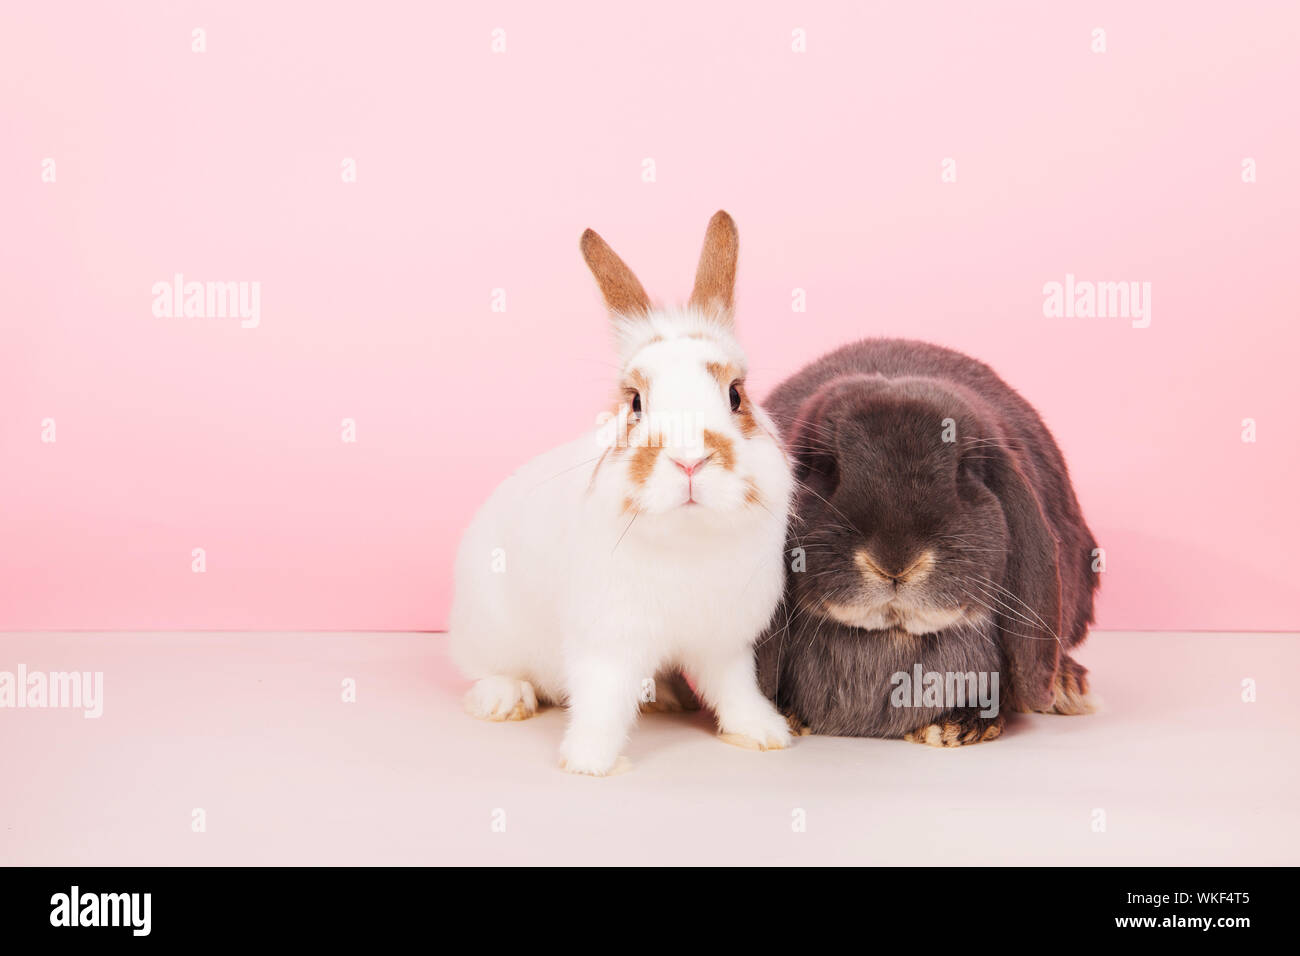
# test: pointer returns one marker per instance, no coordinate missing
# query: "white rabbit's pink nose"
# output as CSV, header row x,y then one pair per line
x,y
690,467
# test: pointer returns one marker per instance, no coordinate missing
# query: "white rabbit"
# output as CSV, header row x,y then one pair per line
x,y
652,543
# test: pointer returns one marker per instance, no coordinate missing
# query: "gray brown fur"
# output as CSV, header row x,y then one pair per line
x,y
863,425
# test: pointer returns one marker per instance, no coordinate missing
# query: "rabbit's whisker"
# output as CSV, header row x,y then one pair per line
x,y
998,587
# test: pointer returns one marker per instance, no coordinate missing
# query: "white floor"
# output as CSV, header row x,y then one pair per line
x,y
248,732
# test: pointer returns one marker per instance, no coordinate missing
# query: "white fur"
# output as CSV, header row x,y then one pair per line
x,y
914,620
595,598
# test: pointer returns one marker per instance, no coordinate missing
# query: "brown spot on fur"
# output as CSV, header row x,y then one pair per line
x,y
721,447
752,495
727,375
724,372
643,463
636,381
745,415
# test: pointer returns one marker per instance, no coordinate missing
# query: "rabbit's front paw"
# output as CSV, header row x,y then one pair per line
x,y
592,751
957,731
501,698
591,758
761,730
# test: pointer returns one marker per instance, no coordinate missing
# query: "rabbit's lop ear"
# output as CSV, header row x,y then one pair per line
x,y
767,659
715,278
1029,615
622,290
810,443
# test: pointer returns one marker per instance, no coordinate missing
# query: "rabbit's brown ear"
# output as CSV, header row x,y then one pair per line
x,y
715,277
1029,616
622,290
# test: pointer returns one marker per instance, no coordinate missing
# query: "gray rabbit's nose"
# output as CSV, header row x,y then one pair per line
x,y
912,570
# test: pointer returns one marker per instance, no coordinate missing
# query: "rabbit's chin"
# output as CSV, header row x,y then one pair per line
x,y
719,498
700,516
898,615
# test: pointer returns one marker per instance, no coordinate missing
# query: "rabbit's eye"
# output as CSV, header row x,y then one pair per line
x,y
636,406
735,397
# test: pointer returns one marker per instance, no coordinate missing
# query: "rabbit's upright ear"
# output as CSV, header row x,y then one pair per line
x,y
1029,616
715,277
623,293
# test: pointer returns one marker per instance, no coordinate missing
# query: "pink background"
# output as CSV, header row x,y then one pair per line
x,y
478,171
